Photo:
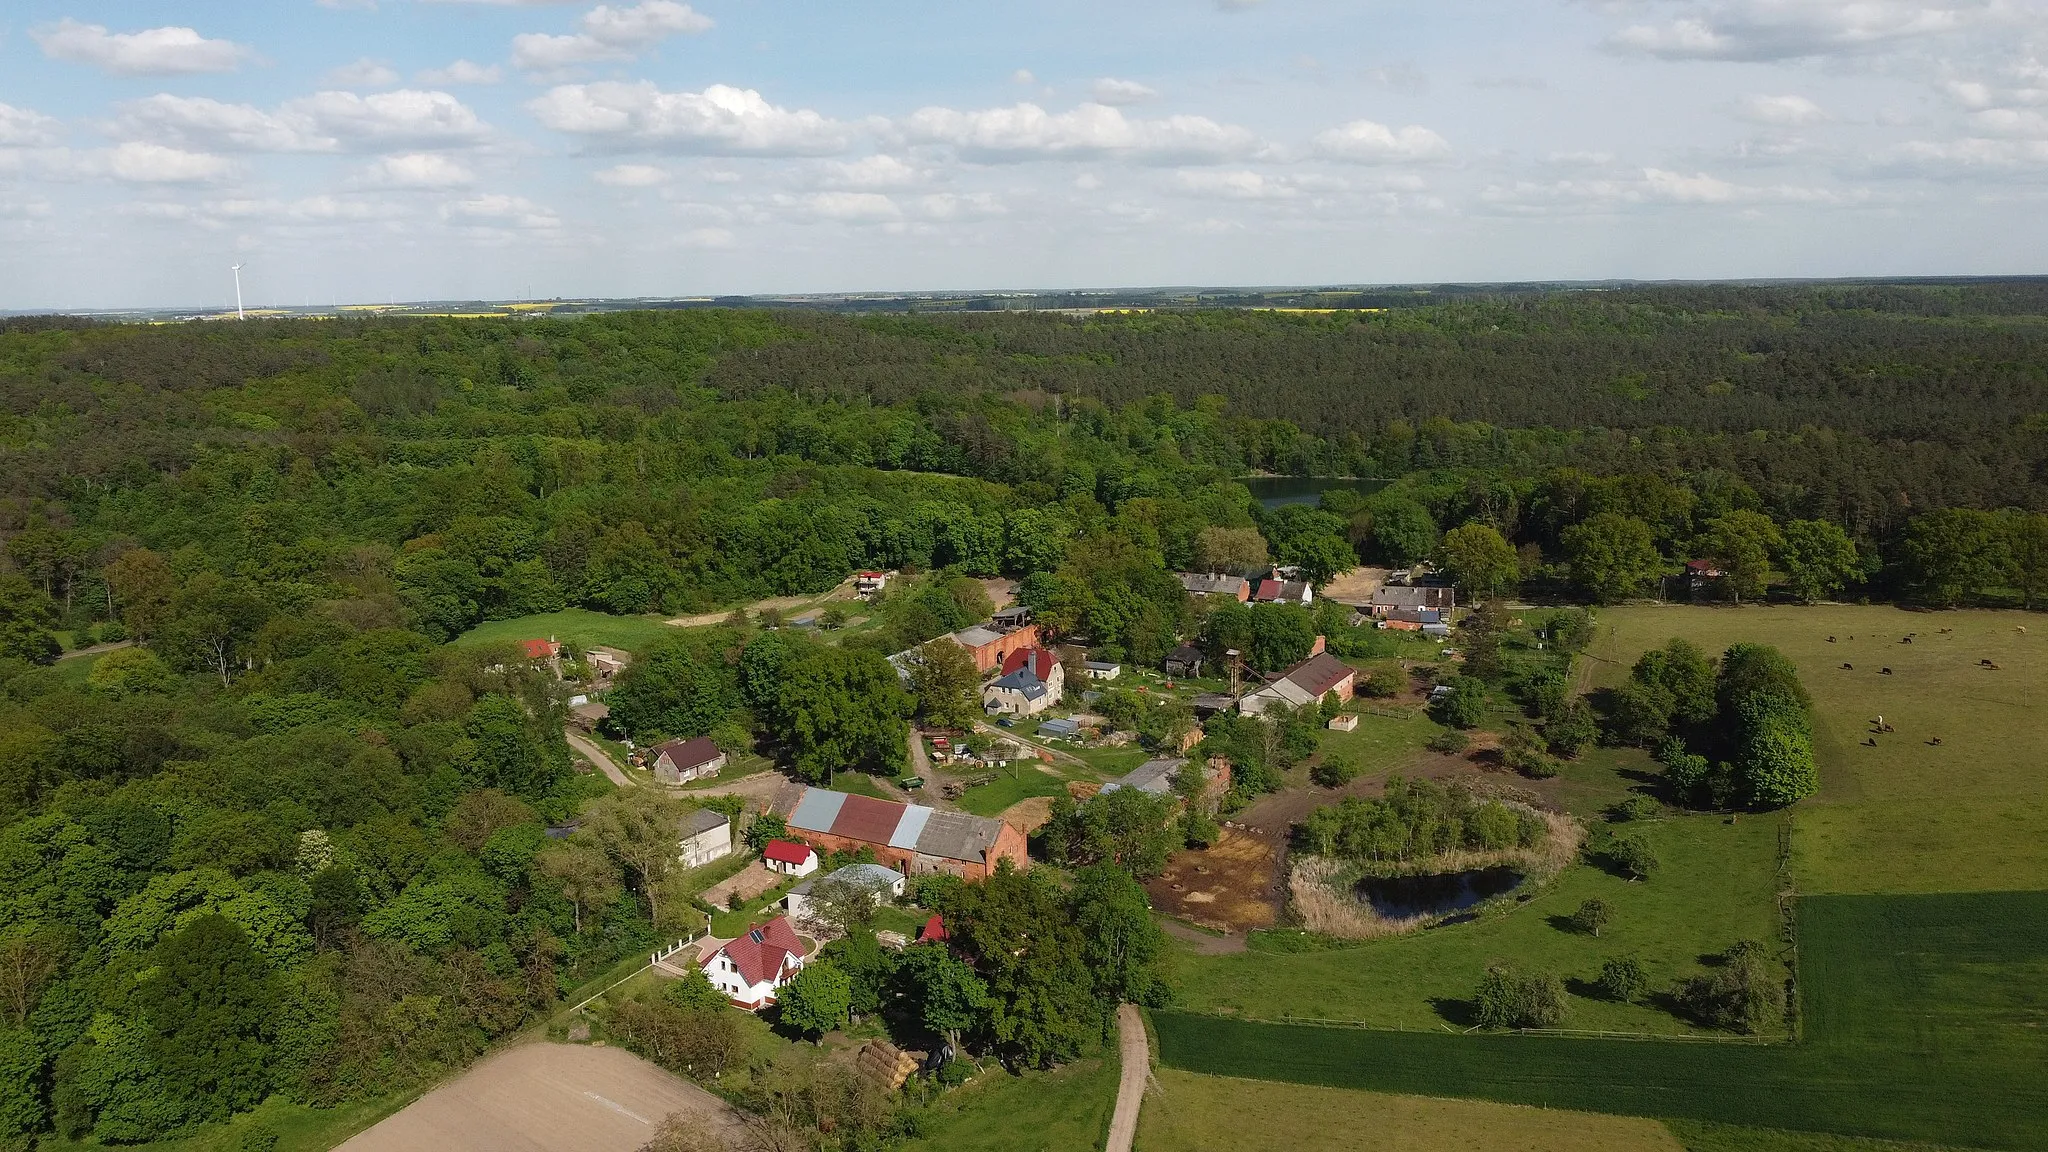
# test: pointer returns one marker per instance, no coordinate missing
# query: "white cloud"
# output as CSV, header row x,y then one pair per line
x,y
1028,132
25,127
1112,91
720,120
1370,142
418,170
1783,111
1653,187
1763,30
1023,76
407,118
501,211
142,163
2025,123
322,122
1972,156
153,52
364,73
632,176
847,207
609,33
1237,185
461,72
877,171
953,207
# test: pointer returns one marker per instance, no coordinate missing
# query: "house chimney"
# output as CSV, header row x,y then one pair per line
x,y
1316,649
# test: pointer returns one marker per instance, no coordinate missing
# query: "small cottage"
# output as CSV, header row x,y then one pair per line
x,y
706,836
751,968
790,858
681,761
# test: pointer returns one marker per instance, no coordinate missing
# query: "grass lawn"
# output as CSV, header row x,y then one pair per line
x,y
1716,886
1970,815
572,625
1058,1111
991,799
1192,1113
1380,743
1922,1021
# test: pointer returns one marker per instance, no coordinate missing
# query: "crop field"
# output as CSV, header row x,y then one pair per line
x,y
1923,1020
572,625
1905,816
1716,886
1192,1113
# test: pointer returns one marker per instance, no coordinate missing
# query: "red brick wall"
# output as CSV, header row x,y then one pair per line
x,y
1010,844
991,655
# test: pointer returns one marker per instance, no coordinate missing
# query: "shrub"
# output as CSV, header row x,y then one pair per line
x,y
1335,772
1776,751
1592,916
1464,706
1571,729
1509,998
1635,808
1742,994
1622,979
1383,682
1633,855
1450,742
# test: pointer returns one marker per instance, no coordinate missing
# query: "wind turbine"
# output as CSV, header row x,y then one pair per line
x,y
239,314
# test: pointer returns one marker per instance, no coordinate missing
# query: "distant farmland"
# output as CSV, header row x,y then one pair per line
x,y
1925,1018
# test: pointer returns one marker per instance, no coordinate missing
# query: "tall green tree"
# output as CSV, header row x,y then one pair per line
x,y
1480,560
1611,556
210,1006
839,708
1818,558
947,685
1741,544
27,620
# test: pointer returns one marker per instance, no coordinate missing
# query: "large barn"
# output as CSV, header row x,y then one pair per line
x,y
910,838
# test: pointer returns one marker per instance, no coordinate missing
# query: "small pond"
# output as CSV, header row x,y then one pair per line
x,y
1401,897
1275,491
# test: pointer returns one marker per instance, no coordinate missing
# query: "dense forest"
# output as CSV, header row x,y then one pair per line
x,y
292,840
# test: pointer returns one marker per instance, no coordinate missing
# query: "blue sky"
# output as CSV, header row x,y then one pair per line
x,y
354,150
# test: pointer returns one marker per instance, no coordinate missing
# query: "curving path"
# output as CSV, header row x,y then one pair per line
x,y
596,755
1136,1056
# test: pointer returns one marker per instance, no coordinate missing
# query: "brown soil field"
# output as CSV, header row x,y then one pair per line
x,y
1232,886
1027,815
1356,586
749,882
545,1098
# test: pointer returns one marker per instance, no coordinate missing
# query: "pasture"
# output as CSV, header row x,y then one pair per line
x,y
1904,816
577,626
1717,885
1922,1020
1193,1113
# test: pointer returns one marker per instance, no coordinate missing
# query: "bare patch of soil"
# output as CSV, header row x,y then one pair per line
x,y
1355,587
1028,815
1232,886
749,882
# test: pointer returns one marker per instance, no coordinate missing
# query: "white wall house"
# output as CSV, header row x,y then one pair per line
x,y
707,836
753,967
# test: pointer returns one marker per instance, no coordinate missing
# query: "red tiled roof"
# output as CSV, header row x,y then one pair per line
x,y
540,649
868,819
761,953
934,929
787,852
1041,662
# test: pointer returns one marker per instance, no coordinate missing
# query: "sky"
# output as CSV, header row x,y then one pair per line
x,y
373,150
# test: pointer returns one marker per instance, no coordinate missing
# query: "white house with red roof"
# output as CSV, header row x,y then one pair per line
x,y
790,857
752,967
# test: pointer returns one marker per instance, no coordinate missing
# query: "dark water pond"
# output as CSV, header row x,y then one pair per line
x,y
1274,491
1400,897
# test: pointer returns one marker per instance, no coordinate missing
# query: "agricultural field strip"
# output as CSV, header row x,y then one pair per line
x,y
1923,1021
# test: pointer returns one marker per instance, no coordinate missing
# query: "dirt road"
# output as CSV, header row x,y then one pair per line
x,y
596,755
96,650
546,1098
1136,1054
783,604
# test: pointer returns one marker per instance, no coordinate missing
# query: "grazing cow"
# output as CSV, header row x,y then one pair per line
x,y
1846,667
1884,671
